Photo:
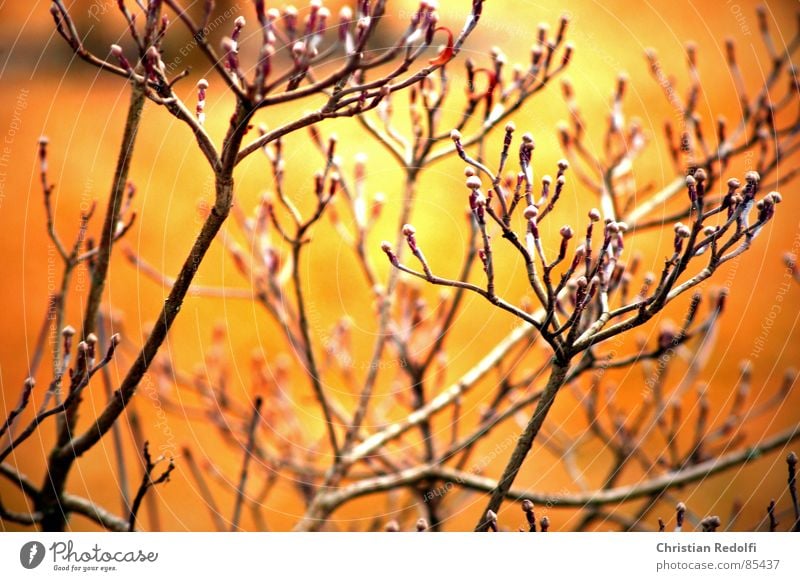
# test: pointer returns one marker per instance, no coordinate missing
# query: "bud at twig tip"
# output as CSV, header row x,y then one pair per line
x,y
473,182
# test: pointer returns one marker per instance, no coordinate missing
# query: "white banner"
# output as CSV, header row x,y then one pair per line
x,y
401,556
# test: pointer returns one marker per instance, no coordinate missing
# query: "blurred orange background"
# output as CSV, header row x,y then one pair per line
x,y
47,92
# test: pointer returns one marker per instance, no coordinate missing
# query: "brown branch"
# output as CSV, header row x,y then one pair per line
x,y
598,498
72,504
558,374
147,483
25,397
115,199
23,518
248,455
80,379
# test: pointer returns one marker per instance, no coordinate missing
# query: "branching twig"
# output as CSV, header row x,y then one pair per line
x,y
148,482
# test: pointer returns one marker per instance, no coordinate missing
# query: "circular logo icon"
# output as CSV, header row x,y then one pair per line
x,y
31,554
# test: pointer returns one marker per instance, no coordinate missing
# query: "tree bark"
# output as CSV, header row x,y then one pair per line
x,y
558,373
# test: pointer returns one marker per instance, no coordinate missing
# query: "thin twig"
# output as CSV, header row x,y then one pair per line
x,y
248,455
147,482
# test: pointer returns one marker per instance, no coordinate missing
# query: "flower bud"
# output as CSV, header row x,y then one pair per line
x,y
473,182
682,231
752,177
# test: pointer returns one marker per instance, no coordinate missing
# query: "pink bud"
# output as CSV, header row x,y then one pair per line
x,y
473,182
752,177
